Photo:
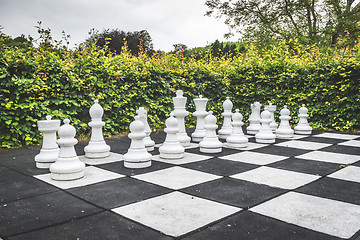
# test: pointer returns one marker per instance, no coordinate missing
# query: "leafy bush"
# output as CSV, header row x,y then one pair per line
x,y
37,82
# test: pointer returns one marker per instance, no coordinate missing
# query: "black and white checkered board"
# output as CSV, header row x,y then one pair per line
x,y
305,188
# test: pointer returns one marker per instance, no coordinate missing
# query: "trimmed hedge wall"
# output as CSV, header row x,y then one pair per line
x,y
38,82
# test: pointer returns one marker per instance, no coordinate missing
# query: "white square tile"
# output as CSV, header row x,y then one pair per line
x,y
250,146
323,215
113,157
176,177
349,173
303,145
176,213
351,143
331,157
276,177
254,158
188,158
337,136
92,175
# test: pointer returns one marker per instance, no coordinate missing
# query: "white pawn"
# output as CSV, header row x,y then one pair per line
x,y
254,119
149,144
272,108
226,128
67,165
50,150
200,114
303,126
180,113
171,149
210,143
237,138
265,134
97,147
137,155
284,130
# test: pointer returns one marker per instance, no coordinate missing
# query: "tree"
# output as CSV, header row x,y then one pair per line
x,y
116,39
307,20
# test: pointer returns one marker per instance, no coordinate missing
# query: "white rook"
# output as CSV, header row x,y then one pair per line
x,y
50,150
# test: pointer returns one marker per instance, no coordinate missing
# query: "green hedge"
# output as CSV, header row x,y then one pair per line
x,y
38,82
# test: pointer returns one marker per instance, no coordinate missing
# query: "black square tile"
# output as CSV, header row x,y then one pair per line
x,y
224,152
342,149
234,192
23,187
281,151
6,174
357,164
322,140
118,192
41,211
306,166
220,167
332,188
253,226
118,167
104,225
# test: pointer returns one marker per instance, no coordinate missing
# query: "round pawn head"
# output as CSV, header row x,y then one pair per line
x,y
137,126
265,114
303,109
227,105
96,111
210,119
66,130
237,116
179,93
285,111
171,122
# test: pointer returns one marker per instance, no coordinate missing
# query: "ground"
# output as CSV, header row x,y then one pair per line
x,y
305,188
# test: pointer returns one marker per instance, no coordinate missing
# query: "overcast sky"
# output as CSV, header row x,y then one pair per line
x,y
168,21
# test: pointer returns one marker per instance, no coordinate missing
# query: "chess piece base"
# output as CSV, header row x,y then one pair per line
x,y
265,140
171,156
67,176
210,150
303,132
284,136
97,150
46,157
237,145
137,158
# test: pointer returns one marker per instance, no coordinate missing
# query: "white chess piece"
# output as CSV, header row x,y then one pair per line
x,y
97,147
272,108
210,143
137,155
284,130
171,149
303,126
226,128
200,114
237,139
67,165
265,134
149,143
254,119
50,150
180,113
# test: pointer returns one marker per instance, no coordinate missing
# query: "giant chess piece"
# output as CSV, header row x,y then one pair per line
x,y
171,149
50,150
303,126
210,143
272,108
265,134
67,165
284,131
97,147
254,119
237,138
226,128
137,155
149,144
200,114
180,113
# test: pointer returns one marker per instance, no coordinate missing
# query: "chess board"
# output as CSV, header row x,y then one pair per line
x,y
304,188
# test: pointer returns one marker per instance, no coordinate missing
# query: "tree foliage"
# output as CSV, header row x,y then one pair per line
x,y
310,21
115,40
